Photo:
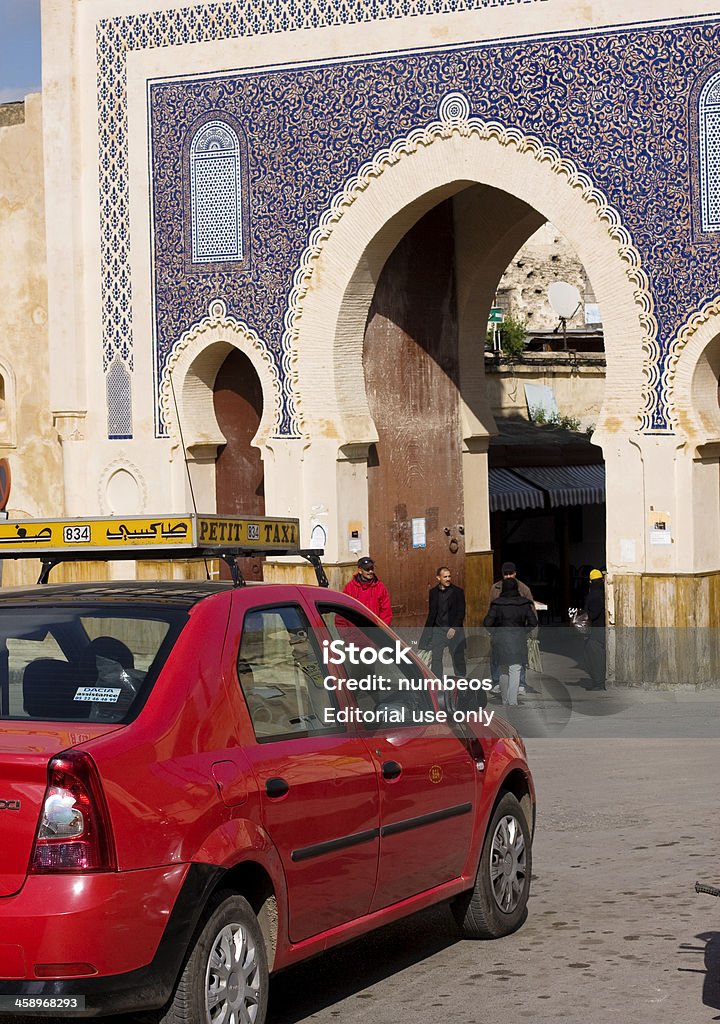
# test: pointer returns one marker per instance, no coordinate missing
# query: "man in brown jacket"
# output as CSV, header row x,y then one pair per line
x,y
509,571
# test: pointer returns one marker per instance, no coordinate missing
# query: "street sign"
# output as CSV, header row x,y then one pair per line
x,y
496,315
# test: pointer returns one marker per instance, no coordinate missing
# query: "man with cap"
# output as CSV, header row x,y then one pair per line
x,y
595,640
368,589
509,572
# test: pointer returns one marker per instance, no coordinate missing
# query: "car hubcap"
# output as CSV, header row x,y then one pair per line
x,y
508,858
232,983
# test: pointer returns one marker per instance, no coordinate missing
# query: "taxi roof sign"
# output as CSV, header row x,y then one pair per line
x,y
183,536
155,537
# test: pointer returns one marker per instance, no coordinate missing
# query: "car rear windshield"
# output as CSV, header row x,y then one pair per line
x,y
82,663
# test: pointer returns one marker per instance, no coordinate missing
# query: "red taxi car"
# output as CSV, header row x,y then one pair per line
x,y
186,805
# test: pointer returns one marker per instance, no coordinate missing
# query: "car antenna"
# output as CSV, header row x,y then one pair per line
x,y
187,467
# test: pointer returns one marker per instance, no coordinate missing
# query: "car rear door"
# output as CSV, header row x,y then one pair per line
x,y
429,782
317,779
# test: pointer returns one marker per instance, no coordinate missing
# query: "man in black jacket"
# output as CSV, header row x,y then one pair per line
x,y
511,618
443,628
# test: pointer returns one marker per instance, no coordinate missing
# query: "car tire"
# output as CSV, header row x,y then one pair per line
x,y
497,904
225,971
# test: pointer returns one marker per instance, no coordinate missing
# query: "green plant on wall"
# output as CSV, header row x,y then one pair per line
x,y
541,418
513,335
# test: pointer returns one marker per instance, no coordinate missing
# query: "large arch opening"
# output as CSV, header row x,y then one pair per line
x,y
489,197
221,401
545,379
544,477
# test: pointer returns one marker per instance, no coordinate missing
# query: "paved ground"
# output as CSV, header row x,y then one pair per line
x,y
629,817
615,931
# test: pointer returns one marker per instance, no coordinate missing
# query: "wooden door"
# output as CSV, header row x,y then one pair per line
x,y
411,371
239,476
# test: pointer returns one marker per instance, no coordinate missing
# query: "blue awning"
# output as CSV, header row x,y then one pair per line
x,y
567,485
509,492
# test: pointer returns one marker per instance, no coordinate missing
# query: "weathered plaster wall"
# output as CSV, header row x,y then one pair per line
x,y
27,437
577,380
546,257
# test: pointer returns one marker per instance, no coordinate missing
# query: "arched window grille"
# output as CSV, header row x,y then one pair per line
x,y
119,400
215,194
709,133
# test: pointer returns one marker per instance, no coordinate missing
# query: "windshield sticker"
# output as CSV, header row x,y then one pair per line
x,y
106,694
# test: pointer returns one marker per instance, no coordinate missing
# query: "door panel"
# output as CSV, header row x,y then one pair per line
x,y
318,782
426,813
324,828
410,359
428,781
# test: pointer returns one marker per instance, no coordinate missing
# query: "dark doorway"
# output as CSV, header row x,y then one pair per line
x,y
557,536
239,475
410,359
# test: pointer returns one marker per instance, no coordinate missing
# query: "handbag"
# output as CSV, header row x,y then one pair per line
x,y
534,656
424,655
580,620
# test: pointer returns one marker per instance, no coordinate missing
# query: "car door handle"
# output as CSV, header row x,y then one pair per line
x,y
391,769
276,788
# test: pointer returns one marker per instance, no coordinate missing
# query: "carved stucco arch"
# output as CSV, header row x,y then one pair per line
x,y
193,366
336,280
691,378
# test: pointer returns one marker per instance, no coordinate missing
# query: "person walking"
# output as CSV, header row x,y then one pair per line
x,y
511,617
509,572
369,590
444,624
595,640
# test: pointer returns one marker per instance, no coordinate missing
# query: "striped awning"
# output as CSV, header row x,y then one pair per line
x,y
509,492
567,485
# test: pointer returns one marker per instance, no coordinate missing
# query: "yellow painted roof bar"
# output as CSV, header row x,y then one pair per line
x,y
182,536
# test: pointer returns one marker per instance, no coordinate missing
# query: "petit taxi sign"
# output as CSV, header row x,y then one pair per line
x,y
36,537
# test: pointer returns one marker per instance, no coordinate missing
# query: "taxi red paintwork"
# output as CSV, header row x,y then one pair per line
x,y
191,801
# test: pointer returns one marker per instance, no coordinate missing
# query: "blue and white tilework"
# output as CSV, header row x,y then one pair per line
x,y
618,105
198,23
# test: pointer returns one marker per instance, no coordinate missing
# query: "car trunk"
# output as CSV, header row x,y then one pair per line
x,y
25,751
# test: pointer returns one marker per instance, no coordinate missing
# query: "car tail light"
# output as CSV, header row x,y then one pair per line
x,y
74,833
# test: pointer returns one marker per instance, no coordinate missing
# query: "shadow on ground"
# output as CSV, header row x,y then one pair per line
x,y
299,992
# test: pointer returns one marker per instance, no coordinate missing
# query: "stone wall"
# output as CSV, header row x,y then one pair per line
x,y
576,378
12,113
547,256
27,438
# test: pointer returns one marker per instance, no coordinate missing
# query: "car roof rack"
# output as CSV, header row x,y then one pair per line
x,y
190,535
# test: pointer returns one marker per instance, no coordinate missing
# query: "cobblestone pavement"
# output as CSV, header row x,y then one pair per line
x,y
615,931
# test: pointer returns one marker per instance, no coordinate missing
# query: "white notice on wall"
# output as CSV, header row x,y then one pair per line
x,y
660,532
418,533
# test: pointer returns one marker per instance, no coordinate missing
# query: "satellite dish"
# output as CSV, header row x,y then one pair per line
x,y
564,299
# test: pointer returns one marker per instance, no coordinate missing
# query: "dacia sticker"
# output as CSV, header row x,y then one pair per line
x,y
436,773
104,694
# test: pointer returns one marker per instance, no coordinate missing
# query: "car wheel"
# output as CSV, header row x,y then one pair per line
x,y
497,905
225,978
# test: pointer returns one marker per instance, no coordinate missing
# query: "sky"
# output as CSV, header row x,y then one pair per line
x,y
19,48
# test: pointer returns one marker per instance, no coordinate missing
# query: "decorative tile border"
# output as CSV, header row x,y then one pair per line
x,y
200,23
219,325
614,104
679,344
454,119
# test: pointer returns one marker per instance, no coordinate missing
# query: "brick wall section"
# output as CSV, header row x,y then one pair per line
x,y
12,113
547,256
